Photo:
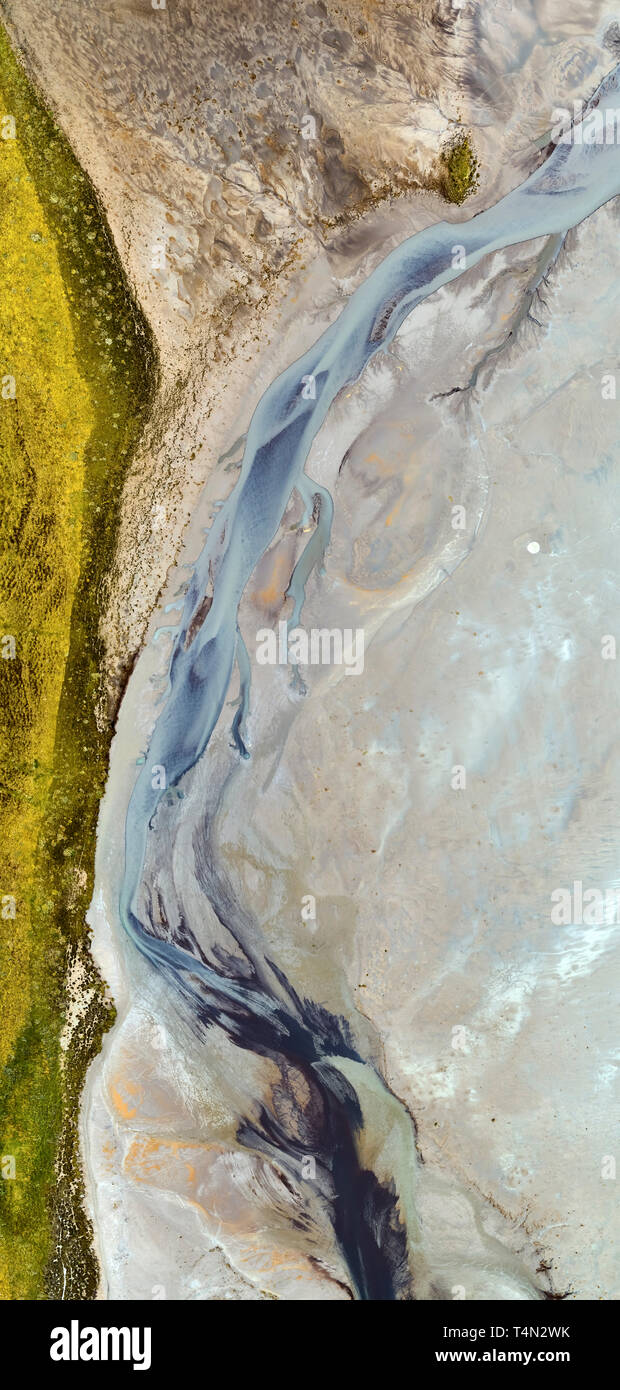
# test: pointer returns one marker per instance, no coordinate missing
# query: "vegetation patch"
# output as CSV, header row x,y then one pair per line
x,y
77,375
459,168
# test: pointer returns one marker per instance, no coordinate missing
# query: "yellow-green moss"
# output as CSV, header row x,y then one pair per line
x,y
459,174
83,368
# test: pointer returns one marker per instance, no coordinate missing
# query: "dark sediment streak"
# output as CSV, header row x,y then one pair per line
x,y
251,999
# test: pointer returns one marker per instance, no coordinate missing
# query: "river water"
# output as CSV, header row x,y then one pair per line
x,y
320,1106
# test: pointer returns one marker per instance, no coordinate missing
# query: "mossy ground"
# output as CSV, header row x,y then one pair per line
x,y
459,174
83,365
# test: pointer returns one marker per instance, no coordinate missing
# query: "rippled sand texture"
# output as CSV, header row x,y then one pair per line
x,y
433,942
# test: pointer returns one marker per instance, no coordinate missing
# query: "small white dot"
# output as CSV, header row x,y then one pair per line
x,y
533,547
